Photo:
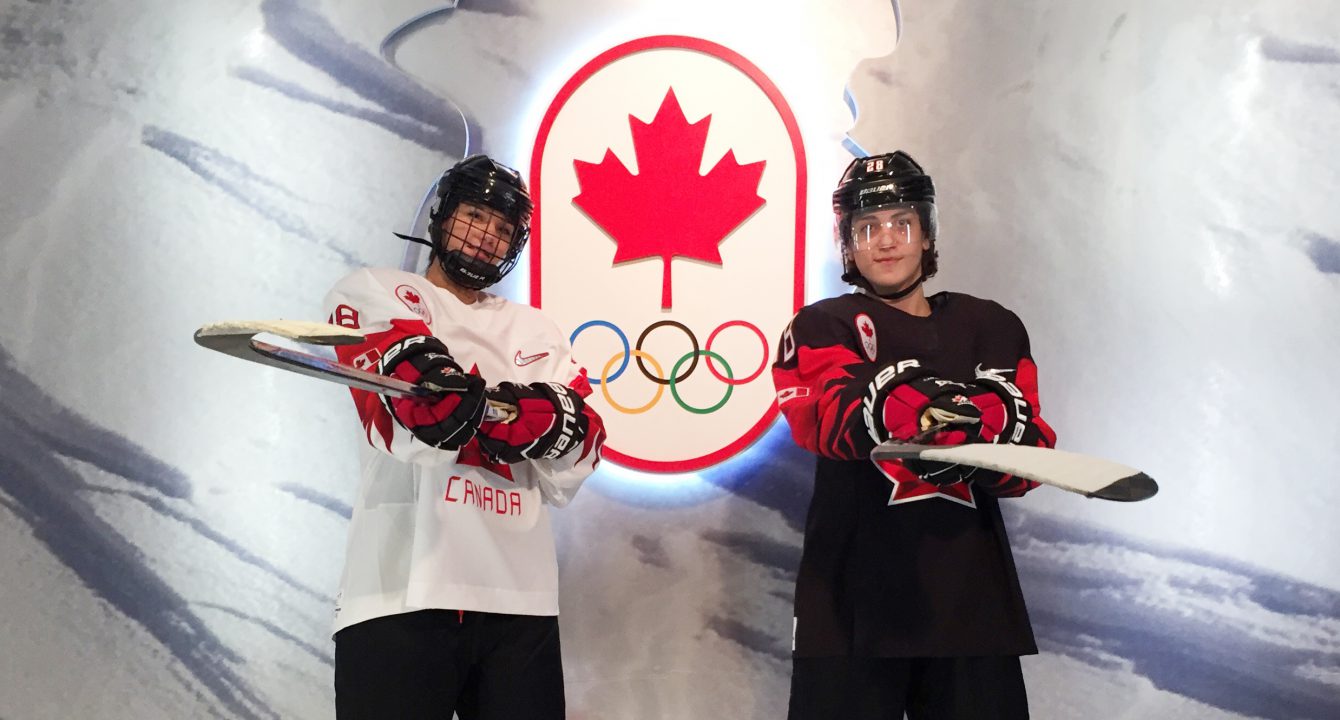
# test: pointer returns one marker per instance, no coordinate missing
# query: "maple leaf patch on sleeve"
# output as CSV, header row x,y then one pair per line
x,y
668,209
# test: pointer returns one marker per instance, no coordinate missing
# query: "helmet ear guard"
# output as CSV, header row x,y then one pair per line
x,y
880,180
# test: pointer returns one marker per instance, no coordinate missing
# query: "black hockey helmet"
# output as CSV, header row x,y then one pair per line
x,y
480,180
891,179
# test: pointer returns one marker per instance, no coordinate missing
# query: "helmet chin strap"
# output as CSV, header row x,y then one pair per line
x,y
468,272
899,295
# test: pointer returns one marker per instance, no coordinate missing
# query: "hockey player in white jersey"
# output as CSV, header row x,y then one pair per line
x,y
449,597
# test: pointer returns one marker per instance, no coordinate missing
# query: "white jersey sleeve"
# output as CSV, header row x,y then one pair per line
x,y
385,307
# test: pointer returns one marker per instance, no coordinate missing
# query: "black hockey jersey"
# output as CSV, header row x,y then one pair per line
x,y
893,566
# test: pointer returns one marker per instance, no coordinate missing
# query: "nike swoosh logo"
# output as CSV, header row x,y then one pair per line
x,y
528,359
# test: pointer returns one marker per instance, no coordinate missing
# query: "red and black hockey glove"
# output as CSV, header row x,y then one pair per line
x,y
988,410
450,422
1012,419
549,422
911,407
914,406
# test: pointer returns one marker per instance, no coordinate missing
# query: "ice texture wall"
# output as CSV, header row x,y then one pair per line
x,y
1149,186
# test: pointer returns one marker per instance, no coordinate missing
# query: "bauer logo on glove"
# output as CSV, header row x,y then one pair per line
x,y
449,422
549,423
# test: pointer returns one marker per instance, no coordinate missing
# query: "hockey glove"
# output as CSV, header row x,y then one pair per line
x,y
549,423
935,411
915,404
1011,419
450,422
1000,415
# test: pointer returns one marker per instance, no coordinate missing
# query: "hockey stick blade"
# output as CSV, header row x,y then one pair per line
x,y
218,336
238,339
1089,476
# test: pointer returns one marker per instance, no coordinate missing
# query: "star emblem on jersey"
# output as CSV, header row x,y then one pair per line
x,y
908,489
472,454
524,360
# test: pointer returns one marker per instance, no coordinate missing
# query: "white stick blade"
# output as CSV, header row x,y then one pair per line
x,y
311,333
1084,474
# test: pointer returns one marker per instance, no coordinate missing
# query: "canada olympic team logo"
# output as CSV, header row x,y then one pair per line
x,y
668,243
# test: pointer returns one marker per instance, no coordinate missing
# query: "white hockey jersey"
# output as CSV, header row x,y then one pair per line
x,y
447,529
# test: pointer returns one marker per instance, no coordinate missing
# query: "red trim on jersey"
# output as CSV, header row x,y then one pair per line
x,y
595,426
374,416
371,410
821,421
581,384
1026,377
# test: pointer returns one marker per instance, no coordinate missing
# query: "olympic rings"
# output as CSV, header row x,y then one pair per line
x,y
731,381
693,365
730,387
657,373
623,338
605,388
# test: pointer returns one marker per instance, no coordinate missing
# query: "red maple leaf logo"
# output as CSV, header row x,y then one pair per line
x,y
411,297
869,330
668,209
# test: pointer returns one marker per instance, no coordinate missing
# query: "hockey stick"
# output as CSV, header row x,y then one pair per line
x,y
238,339
1089,476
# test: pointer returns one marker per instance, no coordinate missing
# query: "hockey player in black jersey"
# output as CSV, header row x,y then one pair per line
x,y
907,599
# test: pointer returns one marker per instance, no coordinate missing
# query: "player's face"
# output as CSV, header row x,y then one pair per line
x,y
479,231
887,244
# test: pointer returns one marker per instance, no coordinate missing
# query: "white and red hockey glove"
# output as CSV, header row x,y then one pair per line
x,y
549,423
450,422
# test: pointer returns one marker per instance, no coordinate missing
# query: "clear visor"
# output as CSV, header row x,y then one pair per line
x,y
885,226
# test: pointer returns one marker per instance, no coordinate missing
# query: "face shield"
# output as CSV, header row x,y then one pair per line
x,y
886,227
